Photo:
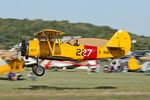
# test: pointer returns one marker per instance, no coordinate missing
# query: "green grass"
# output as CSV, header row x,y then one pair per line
x,y
78,86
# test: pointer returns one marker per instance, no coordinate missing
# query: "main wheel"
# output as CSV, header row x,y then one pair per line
x,y
39,71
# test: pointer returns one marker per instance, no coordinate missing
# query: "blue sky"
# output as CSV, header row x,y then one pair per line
x,y
130,15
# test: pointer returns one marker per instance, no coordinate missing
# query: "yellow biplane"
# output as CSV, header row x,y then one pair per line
x,y
10,62
49,46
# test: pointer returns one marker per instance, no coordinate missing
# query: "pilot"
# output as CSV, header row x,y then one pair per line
x,y
76,43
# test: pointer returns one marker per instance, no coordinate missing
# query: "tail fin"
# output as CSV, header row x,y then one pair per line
x,y
133,64
120,40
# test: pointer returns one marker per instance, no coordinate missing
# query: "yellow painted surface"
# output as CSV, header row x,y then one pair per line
x,y
48,31
133,64
5,69
70,51
119,45
14,66
34,49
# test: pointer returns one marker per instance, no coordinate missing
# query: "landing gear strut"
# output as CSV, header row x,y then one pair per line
x,y
38,70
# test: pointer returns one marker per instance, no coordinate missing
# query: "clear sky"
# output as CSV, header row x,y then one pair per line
x,y
130,15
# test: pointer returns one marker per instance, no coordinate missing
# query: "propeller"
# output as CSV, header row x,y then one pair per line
x,y
24,49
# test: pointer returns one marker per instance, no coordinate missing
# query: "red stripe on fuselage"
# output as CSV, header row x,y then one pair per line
x,y
90,52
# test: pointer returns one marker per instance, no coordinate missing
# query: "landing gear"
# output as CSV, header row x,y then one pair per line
x,y
38,70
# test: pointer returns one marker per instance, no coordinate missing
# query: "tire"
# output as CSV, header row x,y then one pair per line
x,y
39,71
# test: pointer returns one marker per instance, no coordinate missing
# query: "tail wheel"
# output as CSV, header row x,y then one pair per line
x,y
39,71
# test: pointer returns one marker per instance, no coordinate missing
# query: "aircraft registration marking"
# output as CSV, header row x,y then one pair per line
x,y
84,52
90,52
87,52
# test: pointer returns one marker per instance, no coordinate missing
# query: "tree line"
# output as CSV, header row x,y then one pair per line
x,y
11,28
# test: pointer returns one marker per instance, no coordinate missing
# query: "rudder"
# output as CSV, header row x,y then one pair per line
x,y
120,40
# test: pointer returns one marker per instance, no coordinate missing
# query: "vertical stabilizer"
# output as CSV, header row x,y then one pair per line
x,y
120,40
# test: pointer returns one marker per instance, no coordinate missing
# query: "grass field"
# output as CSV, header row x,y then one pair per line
x,y
78,86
